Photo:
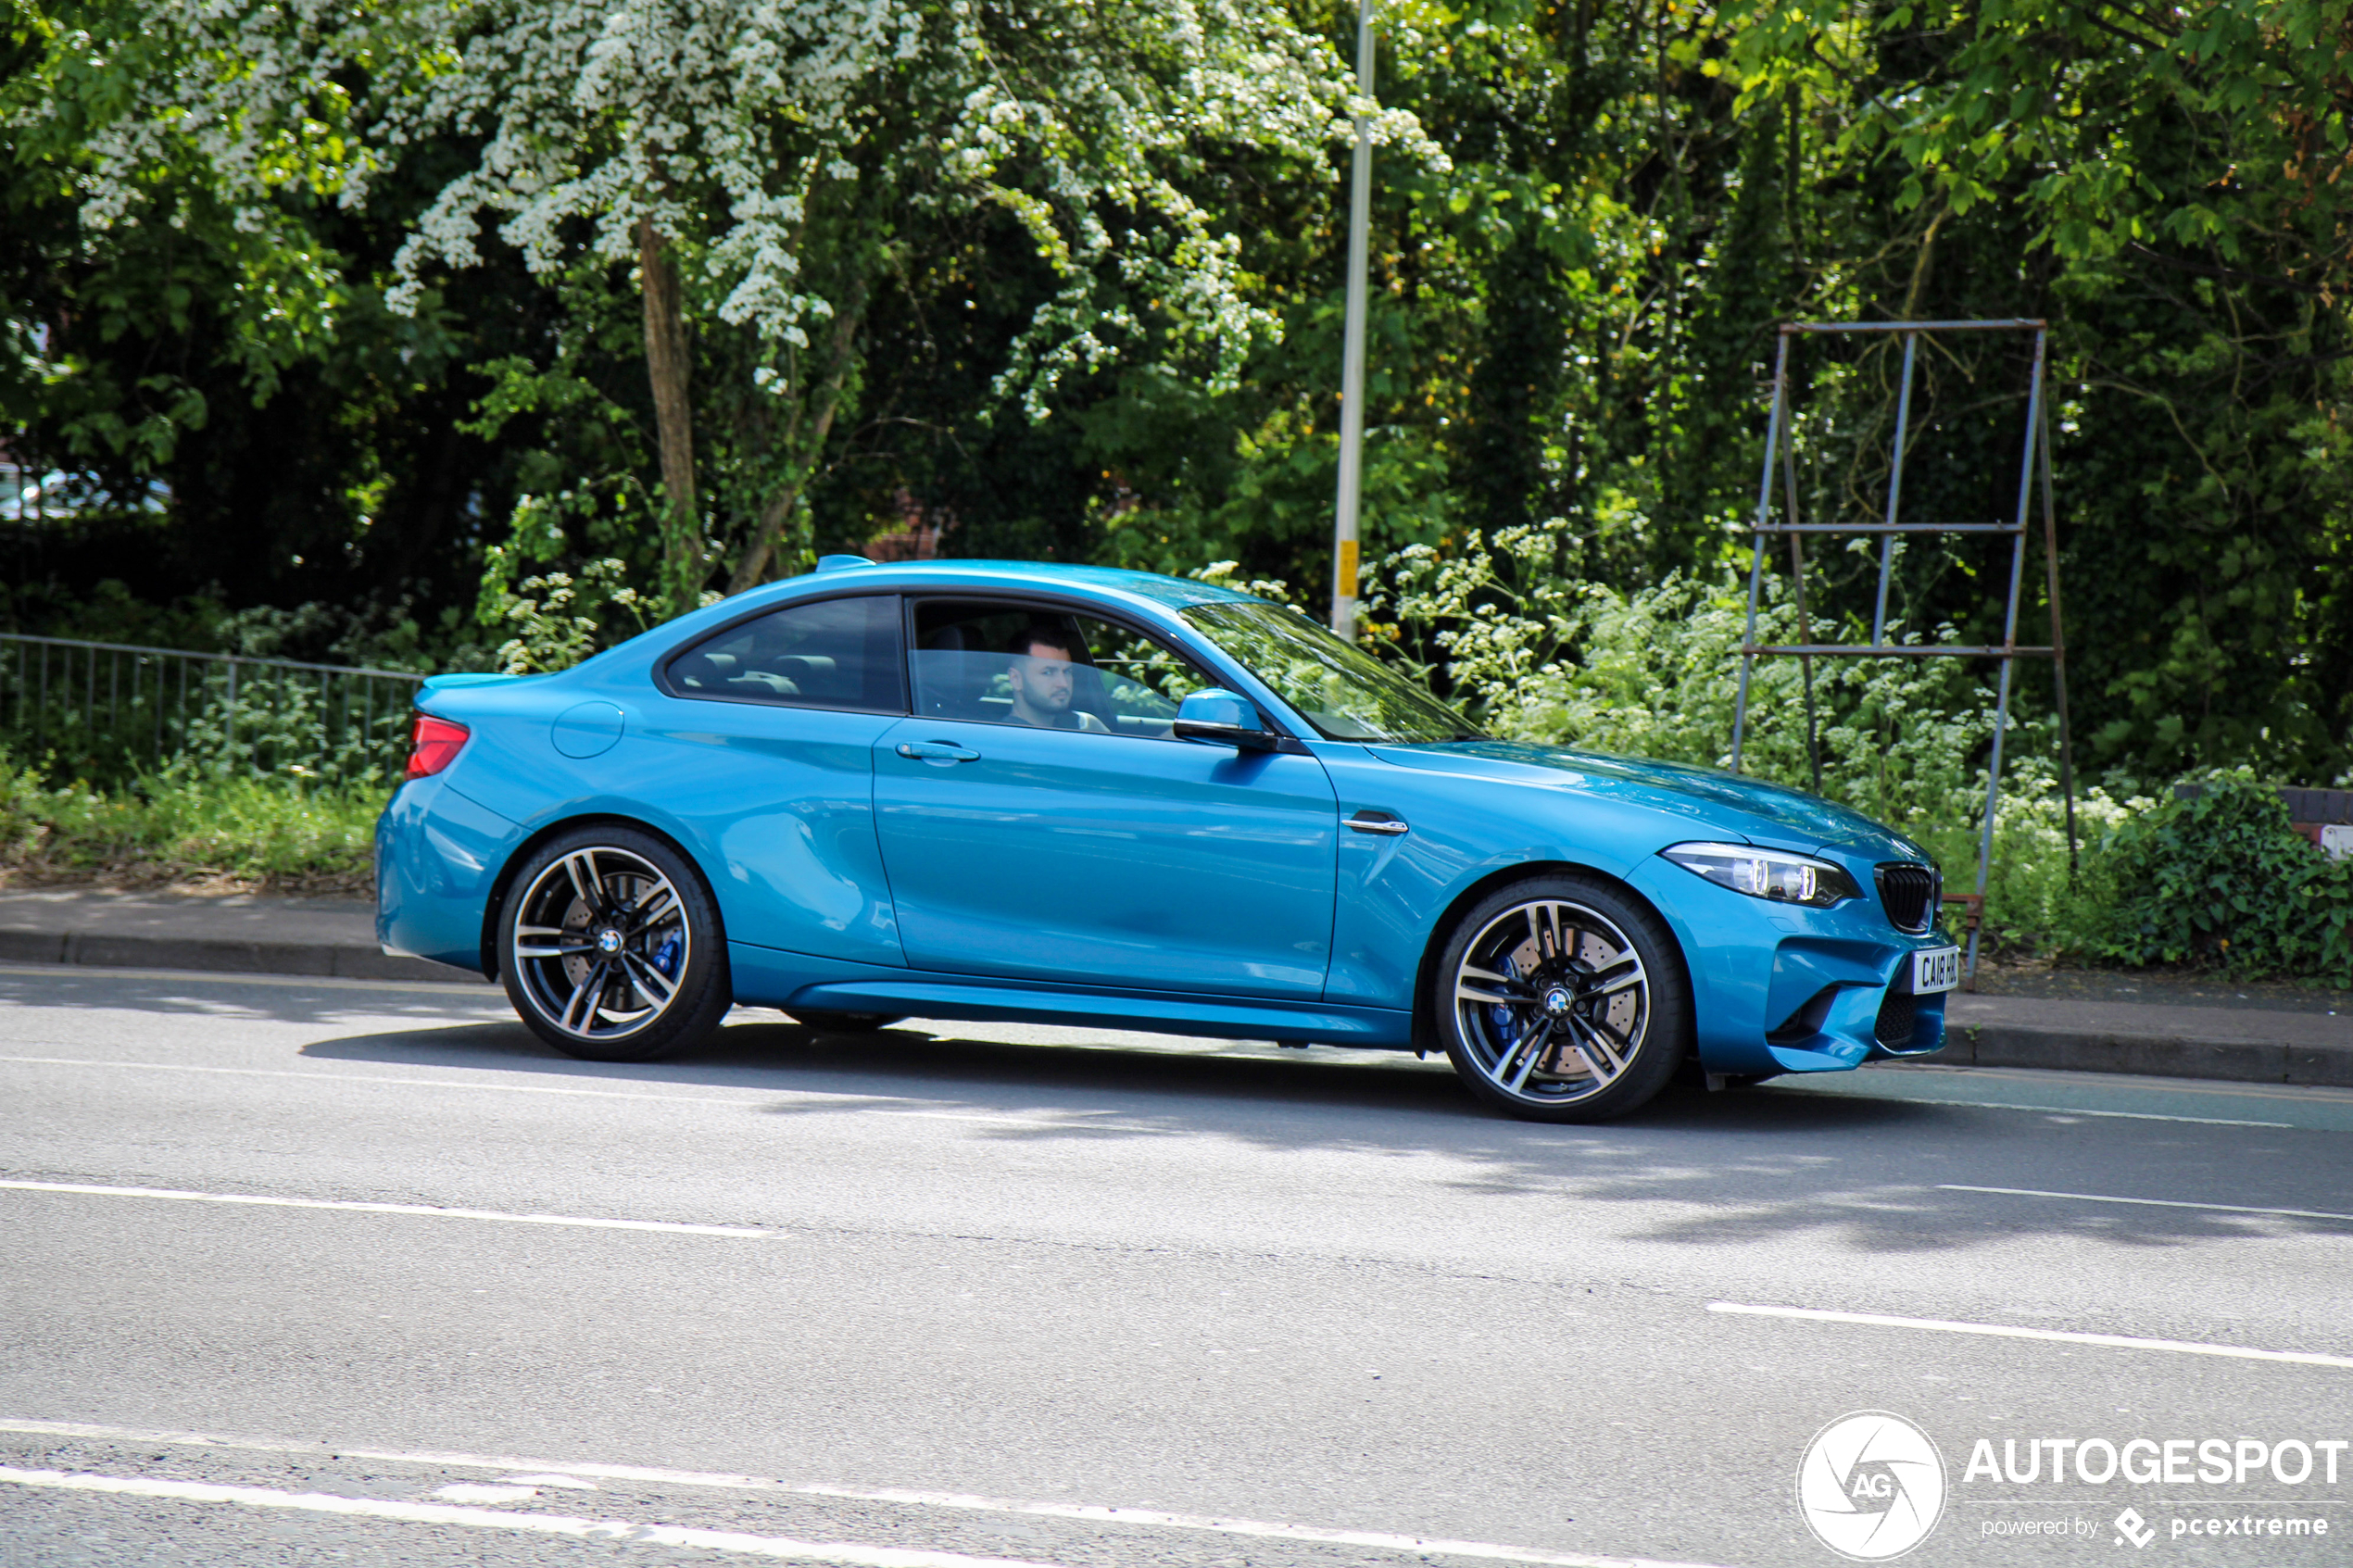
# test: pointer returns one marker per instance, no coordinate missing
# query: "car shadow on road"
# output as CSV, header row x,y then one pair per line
x,y
1693,1168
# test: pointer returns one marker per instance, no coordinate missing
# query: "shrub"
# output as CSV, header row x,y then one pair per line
x,y
2219,876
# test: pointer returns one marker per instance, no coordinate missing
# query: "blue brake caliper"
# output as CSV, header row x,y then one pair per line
x,y
666,957
1501,1016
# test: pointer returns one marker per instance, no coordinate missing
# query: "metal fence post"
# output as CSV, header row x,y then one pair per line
x,y
228,746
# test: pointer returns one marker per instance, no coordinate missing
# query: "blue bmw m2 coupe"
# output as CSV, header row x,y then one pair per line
x,y
1065,795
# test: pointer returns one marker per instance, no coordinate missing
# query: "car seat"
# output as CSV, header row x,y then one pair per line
x,y
703,671
1089,695
811,675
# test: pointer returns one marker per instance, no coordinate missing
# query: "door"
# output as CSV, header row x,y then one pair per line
x,y
766,757
1039,822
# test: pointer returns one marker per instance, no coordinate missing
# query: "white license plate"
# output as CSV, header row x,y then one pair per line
x,y
1935,968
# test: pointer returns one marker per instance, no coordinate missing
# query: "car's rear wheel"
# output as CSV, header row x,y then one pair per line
x,y
1562,999
611,947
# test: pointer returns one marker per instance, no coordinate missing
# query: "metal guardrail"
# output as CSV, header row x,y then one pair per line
x,y
113,706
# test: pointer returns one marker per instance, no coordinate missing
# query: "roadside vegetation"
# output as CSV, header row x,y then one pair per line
x,y
197,832
2209,876
447,336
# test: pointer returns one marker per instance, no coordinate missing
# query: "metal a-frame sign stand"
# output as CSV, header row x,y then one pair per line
x,y
2034,462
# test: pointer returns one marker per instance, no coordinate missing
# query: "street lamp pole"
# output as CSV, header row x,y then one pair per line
x,y
1352,367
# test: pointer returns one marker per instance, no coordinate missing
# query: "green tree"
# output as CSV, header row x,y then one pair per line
x,y
770,168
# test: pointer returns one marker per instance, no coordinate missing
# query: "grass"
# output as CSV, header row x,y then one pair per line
x,y
223,835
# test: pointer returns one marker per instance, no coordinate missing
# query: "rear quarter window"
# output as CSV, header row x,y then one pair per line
x,y
833,653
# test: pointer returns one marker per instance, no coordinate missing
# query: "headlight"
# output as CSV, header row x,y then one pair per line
x,y
1766,873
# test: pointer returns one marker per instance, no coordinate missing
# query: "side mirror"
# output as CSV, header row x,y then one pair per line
x,y
1222,717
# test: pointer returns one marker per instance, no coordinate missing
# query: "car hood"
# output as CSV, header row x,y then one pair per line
x,y
1717,803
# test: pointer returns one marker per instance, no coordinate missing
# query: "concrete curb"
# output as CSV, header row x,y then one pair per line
x,y
212,956
2072,1050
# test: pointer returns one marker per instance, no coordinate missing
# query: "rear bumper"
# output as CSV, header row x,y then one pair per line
x,y
438,856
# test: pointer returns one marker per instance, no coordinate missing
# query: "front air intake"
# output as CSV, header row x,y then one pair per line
x,y
1899,1019
1908,892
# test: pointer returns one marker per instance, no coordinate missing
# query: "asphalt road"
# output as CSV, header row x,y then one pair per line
x,y
1039,1296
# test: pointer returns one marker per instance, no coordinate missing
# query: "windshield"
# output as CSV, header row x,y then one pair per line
x,y
1338,687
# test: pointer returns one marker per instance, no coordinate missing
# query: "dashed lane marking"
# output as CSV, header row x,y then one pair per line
x,y
426,1210
847,1552
2055,1336
964,1501
884,1105
2047,1077
473,987
1860,1089
2116,1115
749,1097
2150,1202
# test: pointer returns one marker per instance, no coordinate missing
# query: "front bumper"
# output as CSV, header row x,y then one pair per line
x,y
1782,988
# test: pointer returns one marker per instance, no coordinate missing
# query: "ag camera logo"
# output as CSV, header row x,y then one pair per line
x,y
1871,1485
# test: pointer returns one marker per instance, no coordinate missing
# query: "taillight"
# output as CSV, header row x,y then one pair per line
x,y
433,745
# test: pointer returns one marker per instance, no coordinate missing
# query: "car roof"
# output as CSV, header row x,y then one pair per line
x,y
854,575
1174,593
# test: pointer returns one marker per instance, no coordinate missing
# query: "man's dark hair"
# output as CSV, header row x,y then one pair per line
x,y
1039,634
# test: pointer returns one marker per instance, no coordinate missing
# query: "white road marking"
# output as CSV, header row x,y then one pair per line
x,y
534,1524
961,1500
1424,1544
747,1098
430,1211
475,988
2045,1077
2118,1115
2007,1331
885,1105
2150,1202
2041,1110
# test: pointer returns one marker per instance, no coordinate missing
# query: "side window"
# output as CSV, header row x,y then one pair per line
x,y
1018,664
834,653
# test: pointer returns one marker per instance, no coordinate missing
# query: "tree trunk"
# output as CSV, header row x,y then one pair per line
x,y
751,568
683,565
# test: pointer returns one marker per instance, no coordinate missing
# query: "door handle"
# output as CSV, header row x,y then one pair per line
x,y
1379,822
935,751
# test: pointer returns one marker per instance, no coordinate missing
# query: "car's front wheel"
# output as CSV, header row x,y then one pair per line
x,y
611,947
1561,999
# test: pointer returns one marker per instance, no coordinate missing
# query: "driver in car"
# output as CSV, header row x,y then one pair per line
x,y
1041,677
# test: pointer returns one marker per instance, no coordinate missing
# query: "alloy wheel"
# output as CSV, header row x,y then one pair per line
x,y
1552,1002
600,942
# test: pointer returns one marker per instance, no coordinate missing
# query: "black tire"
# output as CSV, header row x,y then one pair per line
x,y
1562,999
845,1022
596,923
